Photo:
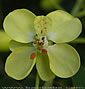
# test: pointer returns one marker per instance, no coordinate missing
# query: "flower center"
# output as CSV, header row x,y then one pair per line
x,y
42,24
40,43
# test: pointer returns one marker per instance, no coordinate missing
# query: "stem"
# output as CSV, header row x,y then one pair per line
x,y
81,14
59,7
79,40
37,81
56,6
48,84
76,7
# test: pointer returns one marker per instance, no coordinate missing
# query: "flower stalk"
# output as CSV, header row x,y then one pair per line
x,y
37,81
79,41
76,7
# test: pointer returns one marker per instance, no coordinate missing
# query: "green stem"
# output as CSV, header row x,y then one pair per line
x,y
56,6
37,81
76,7
48,84
59,7
79,40
81,14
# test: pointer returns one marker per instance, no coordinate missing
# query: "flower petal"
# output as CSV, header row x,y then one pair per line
x,y
19,64
64,60
14,44
19,25
43,68
65,27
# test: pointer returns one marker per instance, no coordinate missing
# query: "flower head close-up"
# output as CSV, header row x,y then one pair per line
x,y
42,40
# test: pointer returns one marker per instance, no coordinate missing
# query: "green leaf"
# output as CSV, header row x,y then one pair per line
x,y
4,41
14,44
19,25
65,27
42,65
64,60
18,64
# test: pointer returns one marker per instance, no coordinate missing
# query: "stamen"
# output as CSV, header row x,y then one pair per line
x,y
34,42
45,28
43,38
38,39
32,56
42,43
39,43
45,23
44,51
41,31
39,48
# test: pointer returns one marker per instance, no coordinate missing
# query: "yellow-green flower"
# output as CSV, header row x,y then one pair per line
x,y
31,35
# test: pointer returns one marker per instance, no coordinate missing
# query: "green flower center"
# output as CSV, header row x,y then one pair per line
x,y
40,43
42,24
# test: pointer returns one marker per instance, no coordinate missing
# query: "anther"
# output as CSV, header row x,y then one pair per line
x,y
39,48
43,38
44,51
42,43
39,43
45,28
32,56
41,31
38,39
45,23
34,42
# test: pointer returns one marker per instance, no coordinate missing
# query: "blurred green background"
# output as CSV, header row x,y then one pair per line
x,y
39,7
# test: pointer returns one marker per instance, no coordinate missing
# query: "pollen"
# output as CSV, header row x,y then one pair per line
x,y
32,56
45,28
40,43
39,48
41,31
44,51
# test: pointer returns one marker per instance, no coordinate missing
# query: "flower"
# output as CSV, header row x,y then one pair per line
x,y
32,36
